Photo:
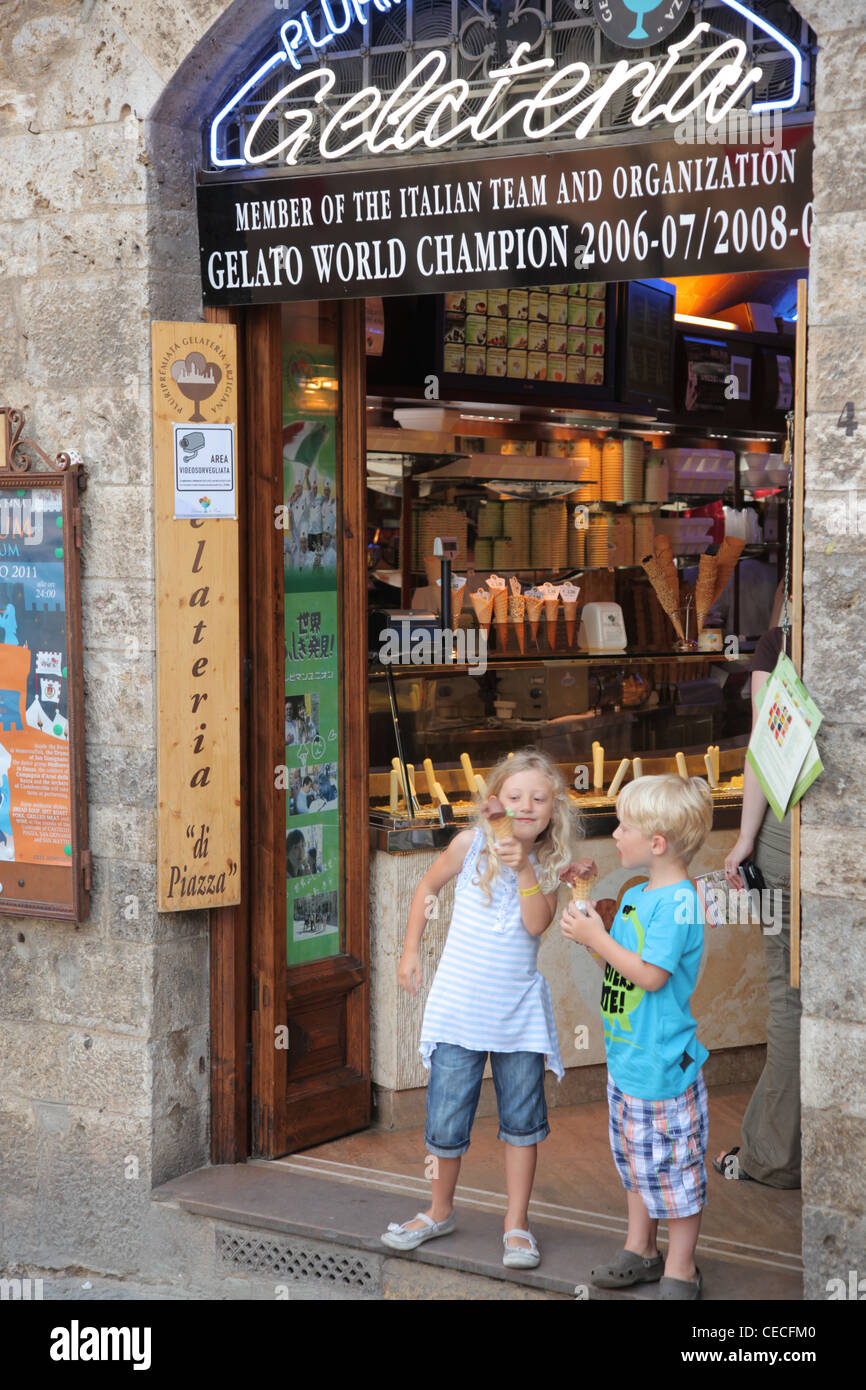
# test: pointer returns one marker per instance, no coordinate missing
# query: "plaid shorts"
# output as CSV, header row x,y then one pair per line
x,y
660,1146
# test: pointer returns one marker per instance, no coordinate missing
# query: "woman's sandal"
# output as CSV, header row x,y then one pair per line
x,y
518,1257
627,1268
399,1238
736,1173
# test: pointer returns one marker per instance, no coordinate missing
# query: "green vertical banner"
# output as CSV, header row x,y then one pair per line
x,y
312,705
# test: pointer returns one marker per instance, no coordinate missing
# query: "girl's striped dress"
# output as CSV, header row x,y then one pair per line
x,y
488,994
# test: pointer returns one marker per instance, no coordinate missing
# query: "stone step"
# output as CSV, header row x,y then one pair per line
x,y
296,1223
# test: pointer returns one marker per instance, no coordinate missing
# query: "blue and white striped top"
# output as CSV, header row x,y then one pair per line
x,y
487,994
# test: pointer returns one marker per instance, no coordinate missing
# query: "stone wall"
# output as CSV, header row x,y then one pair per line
x,y
833,1039
103,1030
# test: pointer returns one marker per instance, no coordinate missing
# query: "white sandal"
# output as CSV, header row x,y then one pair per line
x,y
517,1257
398,1238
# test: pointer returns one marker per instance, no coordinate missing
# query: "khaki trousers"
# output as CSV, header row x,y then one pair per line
x,y
770,1147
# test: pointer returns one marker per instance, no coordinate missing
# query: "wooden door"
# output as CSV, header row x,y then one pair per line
x,y
307,718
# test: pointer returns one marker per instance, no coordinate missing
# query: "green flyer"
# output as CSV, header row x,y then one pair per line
x,y
312,708
782,751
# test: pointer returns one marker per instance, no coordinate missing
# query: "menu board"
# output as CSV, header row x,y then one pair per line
x,y
35,797
547,333
311,652
649,332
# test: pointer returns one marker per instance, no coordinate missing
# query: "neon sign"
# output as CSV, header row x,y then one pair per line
x,y
374,123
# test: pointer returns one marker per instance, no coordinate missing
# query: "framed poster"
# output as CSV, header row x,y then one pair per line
x,y
44,858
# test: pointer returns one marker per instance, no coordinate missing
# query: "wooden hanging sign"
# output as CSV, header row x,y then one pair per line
x,y
198,657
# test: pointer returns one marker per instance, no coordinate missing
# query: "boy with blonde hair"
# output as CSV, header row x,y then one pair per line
x,y
656,1094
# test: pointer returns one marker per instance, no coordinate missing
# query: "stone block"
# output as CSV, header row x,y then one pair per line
x,y
86,329
117,774
93,1193
131,913
834,1160
834,460
833,1245
27,987
181,987
836,367
111,430
180,1141
828,16
117,615
840,72
123,832
836,292
90,242
117,171
176,297
42,173
18,252
13,365
832,1077
832,669
76,1067
835,798
833,958
101,985
839,182
118,695
162,32
110,547
180,1072
831,863
834,522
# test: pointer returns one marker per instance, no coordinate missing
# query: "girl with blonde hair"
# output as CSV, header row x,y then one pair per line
x,y
488,995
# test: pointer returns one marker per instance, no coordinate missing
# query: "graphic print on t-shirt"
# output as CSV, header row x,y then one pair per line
x,y
619,996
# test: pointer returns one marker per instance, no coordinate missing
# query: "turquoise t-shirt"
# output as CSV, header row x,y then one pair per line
x,y
651,1039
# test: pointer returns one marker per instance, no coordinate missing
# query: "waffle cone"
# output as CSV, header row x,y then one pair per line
x,y
516,612
570,610
705,589
730,551
501,630
667,591
482,602
551,613
457,602
581,892
533,609
500,605
502,827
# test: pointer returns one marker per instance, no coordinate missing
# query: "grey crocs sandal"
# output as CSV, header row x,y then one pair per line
x,y
627,1268
683,1289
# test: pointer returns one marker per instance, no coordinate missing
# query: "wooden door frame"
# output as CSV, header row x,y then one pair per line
x,y
240,984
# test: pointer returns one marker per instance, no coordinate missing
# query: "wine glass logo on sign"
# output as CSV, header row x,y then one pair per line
x,y
639,23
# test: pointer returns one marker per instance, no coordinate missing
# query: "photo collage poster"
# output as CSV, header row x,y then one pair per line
x,y
35,818
310,400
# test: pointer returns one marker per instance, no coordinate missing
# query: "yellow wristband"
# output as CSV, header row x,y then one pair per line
x,y
528,892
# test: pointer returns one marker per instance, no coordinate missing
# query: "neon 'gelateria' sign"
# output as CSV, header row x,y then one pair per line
x,y
424,110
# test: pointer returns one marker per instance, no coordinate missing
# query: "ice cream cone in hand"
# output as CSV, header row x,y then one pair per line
x,y
501,821
582,877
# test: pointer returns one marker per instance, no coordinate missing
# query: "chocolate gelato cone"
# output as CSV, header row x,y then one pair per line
x,y
501,821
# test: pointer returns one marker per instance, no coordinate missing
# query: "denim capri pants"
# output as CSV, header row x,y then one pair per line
x,y
454,1088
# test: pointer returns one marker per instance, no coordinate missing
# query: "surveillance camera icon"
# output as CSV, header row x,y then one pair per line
x,y
192,444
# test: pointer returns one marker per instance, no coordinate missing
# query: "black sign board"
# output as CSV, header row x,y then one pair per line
x,y
611,213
